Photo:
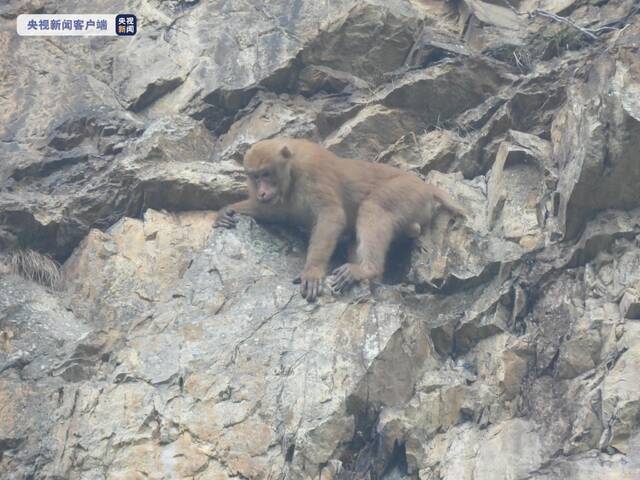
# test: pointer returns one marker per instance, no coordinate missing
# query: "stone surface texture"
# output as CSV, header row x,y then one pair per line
x,y
501,346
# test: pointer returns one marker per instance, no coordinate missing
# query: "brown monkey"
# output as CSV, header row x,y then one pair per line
x,y
301,183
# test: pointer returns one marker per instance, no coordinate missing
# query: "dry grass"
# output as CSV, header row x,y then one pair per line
x,y
34,266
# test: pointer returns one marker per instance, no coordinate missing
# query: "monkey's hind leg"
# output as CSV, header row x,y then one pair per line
x,y
413,230
374,231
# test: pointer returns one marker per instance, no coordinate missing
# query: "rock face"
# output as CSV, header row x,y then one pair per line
x,y
504,345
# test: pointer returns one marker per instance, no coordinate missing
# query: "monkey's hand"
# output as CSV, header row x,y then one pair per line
x,y
227,218
310,281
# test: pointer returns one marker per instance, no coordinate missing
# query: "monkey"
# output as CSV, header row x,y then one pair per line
x,y
299,182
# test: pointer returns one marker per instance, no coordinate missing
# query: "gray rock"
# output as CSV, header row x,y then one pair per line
x,y
341,46
601,119
500,345
371,131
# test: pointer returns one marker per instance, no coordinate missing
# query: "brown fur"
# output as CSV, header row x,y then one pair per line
x,y
300,182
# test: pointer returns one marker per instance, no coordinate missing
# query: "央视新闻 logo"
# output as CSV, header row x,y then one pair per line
x,y
126,24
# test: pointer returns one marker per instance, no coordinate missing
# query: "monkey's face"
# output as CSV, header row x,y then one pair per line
x,y
268,172
265,185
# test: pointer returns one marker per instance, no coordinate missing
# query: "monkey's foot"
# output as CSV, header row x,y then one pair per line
x,y
342,277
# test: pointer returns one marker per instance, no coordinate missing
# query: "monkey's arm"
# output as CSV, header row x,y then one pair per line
x,y
328,228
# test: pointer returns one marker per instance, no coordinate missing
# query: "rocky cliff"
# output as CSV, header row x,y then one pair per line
x,y
506,346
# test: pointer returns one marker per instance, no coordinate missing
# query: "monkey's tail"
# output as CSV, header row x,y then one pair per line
x,y
450,204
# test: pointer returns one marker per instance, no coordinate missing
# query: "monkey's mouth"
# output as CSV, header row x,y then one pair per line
x,y
269,200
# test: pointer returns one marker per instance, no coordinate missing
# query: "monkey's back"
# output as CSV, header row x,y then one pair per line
x,y
350,180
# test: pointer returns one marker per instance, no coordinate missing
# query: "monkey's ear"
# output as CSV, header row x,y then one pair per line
x,y
285,152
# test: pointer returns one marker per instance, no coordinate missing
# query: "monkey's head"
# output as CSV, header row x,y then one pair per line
x,y
268,171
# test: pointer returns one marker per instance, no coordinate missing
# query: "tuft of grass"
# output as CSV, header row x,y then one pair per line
x,y
34,266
